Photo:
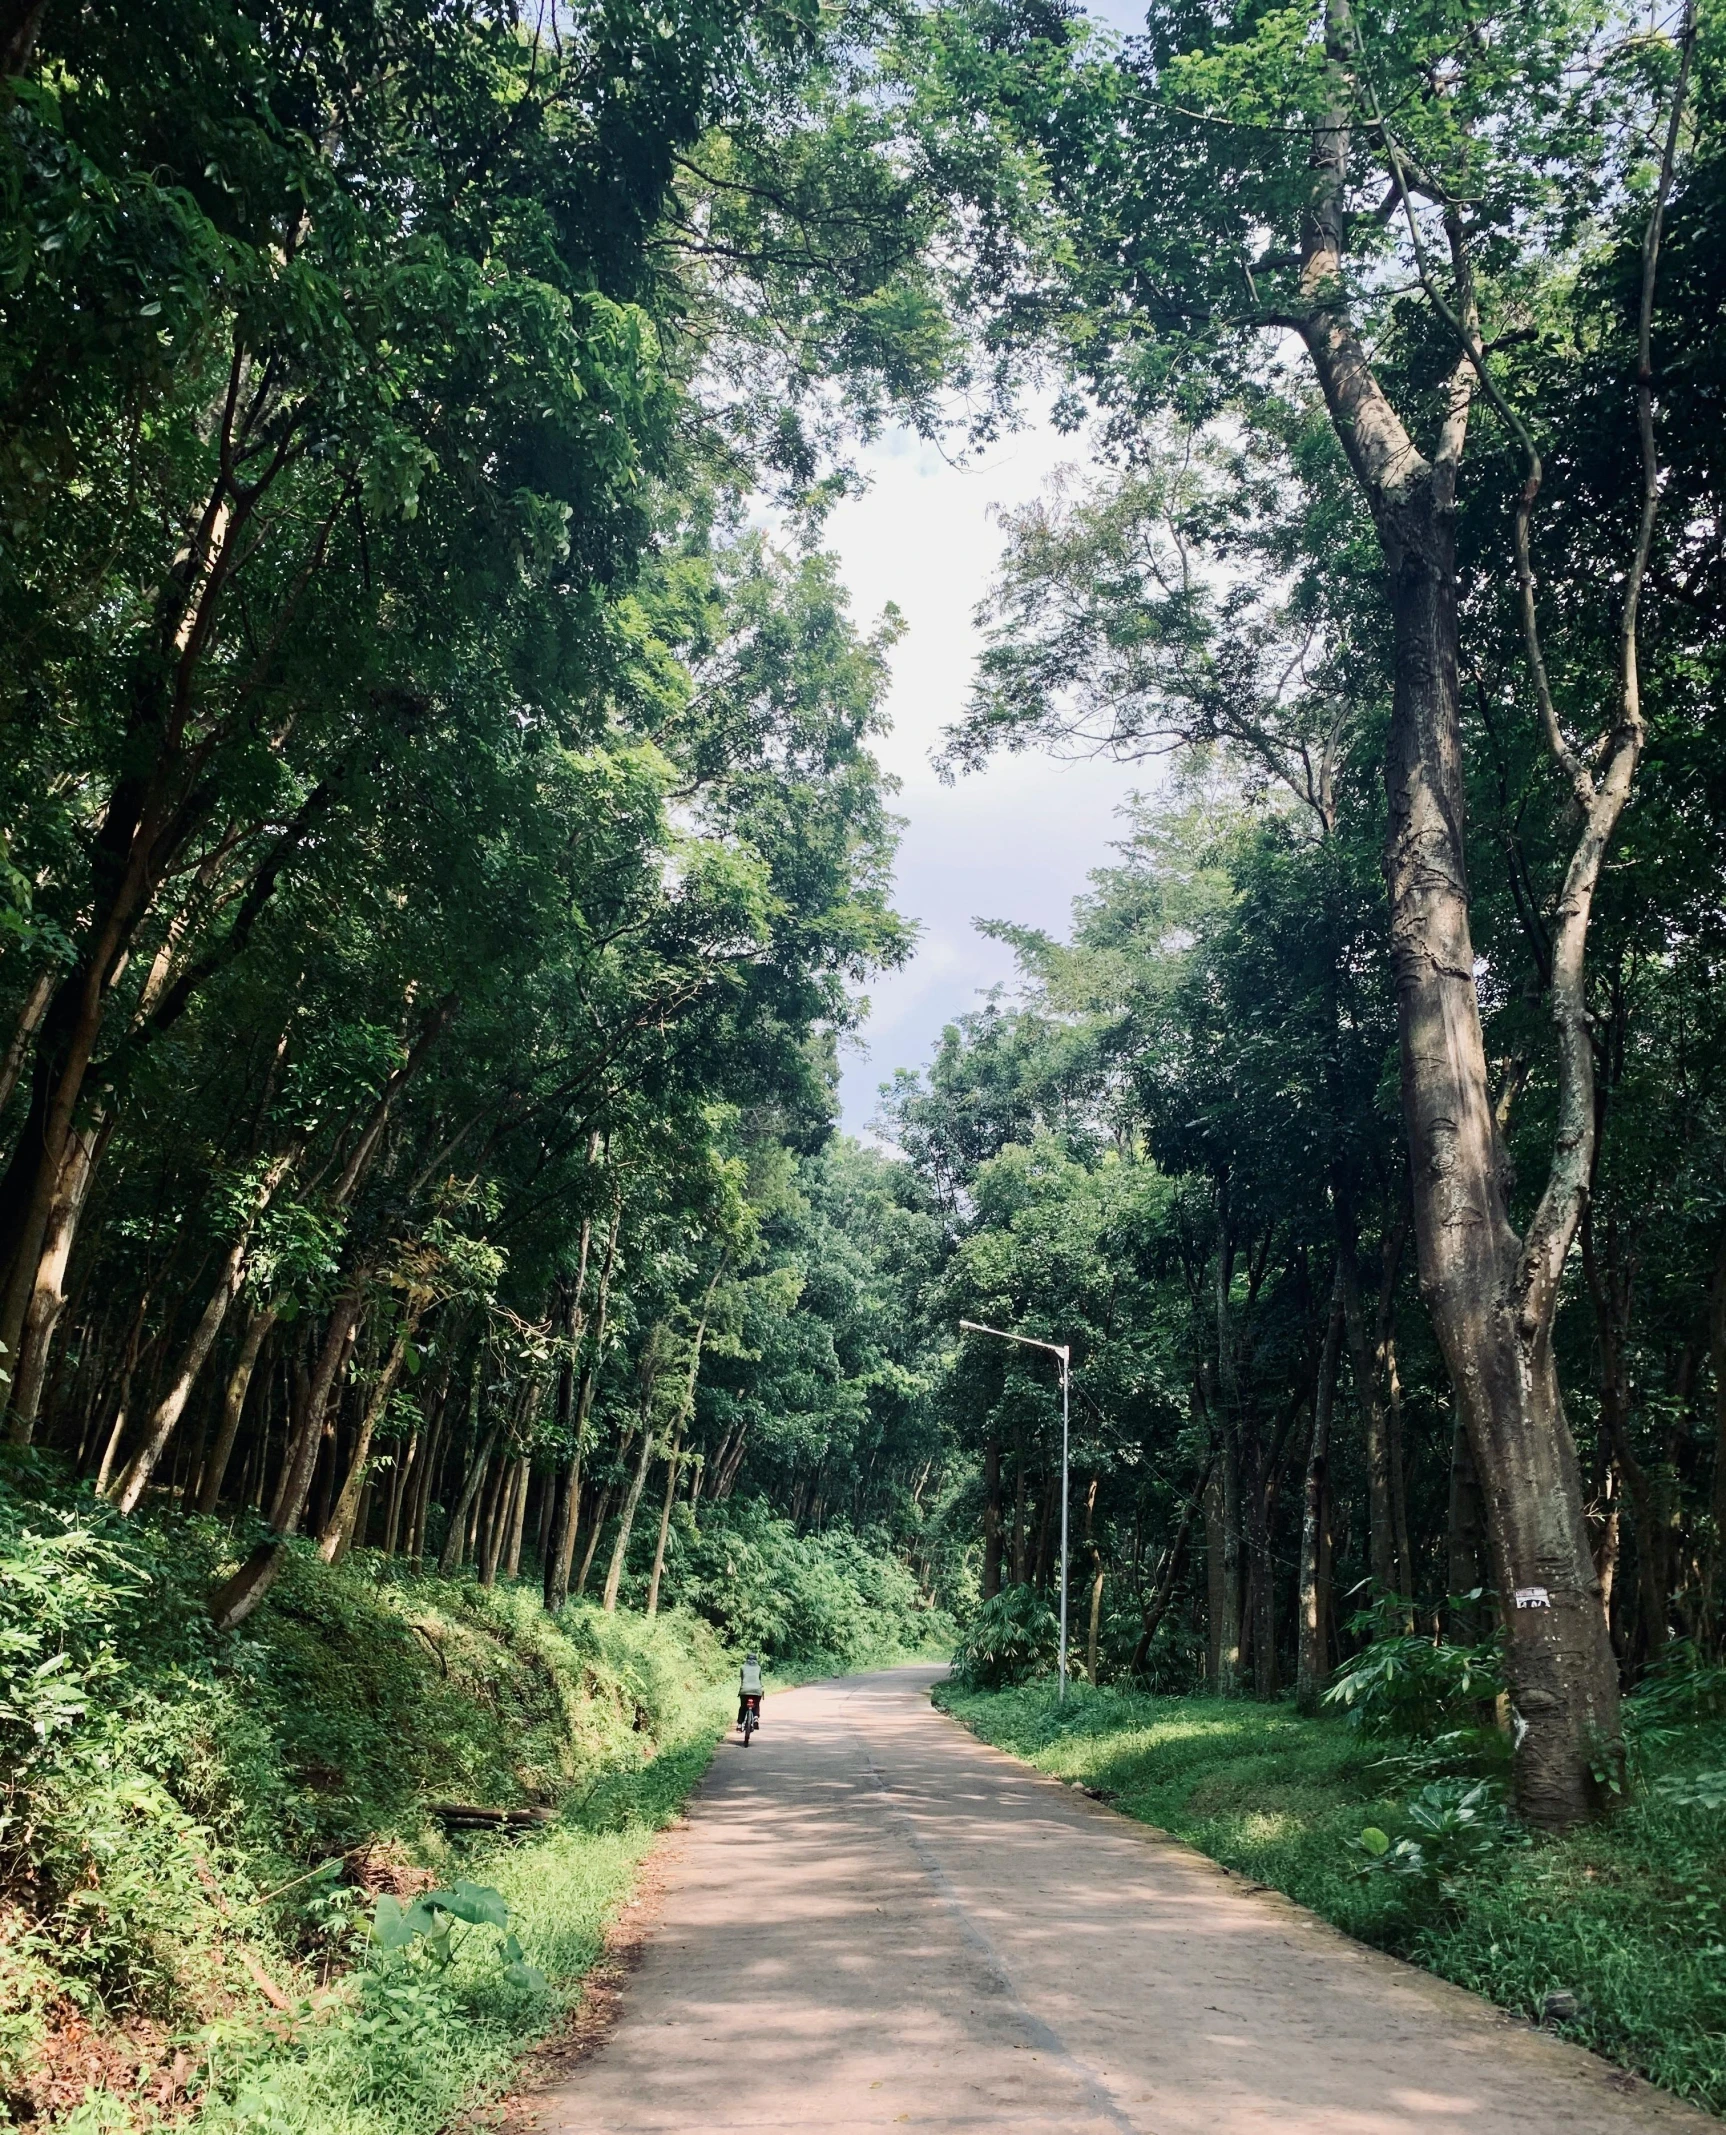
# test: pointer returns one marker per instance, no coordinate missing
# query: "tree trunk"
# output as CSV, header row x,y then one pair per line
x,y
671,1465
1228,1676
1366,1362
338,1533
1492,1295
517,1517
402,1478
564,1522
48,1293
1465,1569
601,1513
632,1498
455,1534
1216,1581
233,1405
1717,1359
1495,1335
1311,1671
1169,1571
29,1017
236,1600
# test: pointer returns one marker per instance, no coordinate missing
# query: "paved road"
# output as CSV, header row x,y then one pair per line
x,y
874,1921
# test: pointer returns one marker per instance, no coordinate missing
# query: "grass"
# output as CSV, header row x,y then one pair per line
x,y
1630,1916
196,1827
372,2064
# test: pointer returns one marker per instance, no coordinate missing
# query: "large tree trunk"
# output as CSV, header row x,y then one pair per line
x,y
1465,1569
1496,1336
1492,1294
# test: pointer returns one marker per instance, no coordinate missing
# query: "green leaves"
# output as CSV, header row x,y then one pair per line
x,y
423,1932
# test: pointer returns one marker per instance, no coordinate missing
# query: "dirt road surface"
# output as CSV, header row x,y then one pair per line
x,y
873,1921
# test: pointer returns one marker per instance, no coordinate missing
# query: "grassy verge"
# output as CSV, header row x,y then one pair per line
x,y
197,1828
400,2050
1629,1918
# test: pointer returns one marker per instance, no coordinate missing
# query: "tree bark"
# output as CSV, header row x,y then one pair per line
x,y
1228,1676
456,1533
564,1523
1717,1360
1491,1293
338,1533
48,1294
142,1465
1169,1571
671,1470
233,1405
29,1016
1465,1571
632,1497
236,1600
601,1513
517,1517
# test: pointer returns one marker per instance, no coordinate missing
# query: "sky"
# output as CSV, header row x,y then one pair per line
x,y
1016,841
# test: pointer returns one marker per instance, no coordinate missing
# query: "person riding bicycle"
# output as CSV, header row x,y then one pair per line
x,y
749,1685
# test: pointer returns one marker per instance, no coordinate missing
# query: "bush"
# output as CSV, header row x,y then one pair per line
x,y
170,1791
1012,1636
804,1600
1403,1684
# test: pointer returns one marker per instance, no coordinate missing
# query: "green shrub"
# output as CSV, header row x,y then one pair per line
x,y
1403,1684
186,1813
1011,1637
801,1600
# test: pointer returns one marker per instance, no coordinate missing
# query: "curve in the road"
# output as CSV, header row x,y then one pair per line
x,y
873,1921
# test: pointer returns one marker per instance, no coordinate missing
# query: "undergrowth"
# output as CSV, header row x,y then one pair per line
x,y
1615,1933
196,1828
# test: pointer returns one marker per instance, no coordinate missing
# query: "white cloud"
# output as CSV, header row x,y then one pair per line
x,y
1015,841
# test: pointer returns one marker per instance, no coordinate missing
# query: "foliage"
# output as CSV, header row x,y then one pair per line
x,y
201,1812
1402,1684
1013,1635
834,1599
1453,1828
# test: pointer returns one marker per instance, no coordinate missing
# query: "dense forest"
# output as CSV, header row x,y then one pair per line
x,y
441,849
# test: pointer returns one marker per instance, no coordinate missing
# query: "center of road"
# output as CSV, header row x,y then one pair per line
x,y
873,1921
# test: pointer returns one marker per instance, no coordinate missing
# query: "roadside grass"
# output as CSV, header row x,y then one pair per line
x,y
197,1828
372,2064
1629,1916
367,2067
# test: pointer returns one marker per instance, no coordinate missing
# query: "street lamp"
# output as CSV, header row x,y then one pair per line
x,y
1060,1350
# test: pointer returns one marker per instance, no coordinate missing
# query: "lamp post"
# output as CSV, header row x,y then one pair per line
x,y
1058,1349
